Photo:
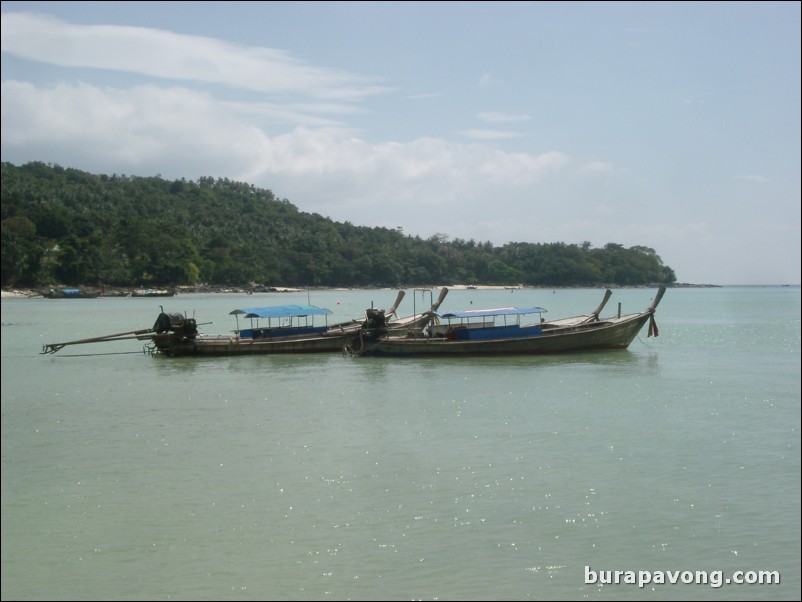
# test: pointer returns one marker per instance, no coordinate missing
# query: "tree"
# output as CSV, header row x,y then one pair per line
x,y
82,228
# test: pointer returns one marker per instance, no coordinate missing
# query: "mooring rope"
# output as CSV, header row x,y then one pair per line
x,y
349,350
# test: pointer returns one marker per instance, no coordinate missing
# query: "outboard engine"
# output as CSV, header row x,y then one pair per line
x,y
375,321
182,326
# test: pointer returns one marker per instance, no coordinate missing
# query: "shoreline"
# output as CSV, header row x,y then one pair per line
x,y
25,293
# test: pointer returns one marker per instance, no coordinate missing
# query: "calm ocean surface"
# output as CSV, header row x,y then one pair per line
x,y
324,477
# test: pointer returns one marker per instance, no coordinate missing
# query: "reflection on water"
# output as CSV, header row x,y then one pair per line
x,y
277,364
605,359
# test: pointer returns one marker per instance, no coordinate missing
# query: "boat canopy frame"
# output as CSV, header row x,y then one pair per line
x,y
483,318
283,313
499,311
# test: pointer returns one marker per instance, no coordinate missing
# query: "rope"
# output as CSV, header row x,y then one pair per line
x,y
349,350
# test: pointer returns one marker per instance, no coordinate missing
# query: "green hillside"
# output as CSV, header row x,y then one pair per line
x,y
71,227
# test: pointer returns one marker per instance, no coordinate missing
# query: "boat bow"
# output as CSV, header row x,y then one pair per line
x,y
653,331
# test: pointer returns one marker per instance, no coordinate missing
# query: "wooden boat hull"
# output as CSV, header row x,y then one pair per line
x,y
176,344
172,345
615,333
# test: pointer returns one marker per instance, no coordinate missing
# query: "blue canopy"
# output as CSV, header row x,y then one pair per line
x,y
500,311
282,311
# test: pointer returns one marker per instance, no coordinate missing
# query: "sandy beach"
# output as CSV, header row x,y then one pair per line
x,y
19,293
29,293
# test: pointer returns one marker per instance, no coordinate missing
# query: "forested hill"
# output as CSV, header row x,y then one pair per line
x,y
65,226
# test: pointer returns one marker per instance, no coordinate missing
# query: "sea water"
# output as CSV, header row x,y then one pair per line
x,y
315,477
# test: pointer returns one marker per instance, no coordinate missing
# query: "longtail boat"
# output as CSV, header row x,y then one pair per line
x,y
289,329
501,331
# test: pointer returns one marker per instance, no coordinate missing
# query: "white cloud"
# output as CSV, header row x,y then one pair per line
x,y
423,96
502,117
169,55
518,169
476,134
145,129
308,114
596,167
178,132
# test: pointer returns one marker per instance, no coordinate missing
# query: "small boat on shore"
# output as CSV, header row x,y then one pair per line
x,y
153,292
71,293
500,331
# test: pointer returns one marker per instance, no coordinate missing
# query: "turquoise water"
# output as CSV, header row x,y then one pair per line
x,y
126,476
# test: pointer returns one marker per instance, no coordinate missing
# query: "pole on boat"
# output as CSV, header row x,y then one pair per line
x,y
660,292
607,294
440,299
398,300
120,336
594,317
653,331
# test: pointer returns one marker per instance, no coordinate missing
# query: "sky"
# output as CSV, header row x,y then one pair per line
x,y
669,125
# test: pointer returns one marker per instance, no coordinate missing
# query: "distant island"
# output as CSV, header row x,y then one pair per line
x,y
66,227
